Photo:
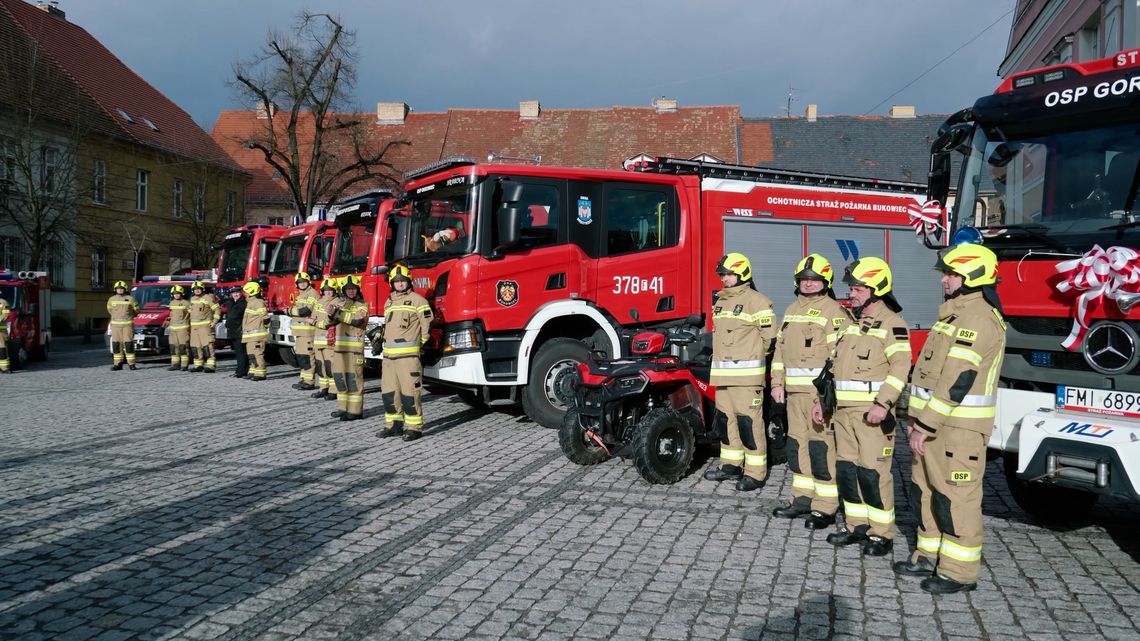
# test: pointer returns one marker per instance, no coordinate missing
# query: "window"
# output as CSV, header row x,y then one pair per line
x,y
99,181
47,168
98,267
11,252
8,161
53,260
181,258
231,205
541,216
176,207
142,177
639,219
276,220
200,203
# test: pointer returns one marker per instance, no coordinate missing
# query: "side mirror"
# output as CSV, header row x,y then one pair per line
x,y
938,180
380,269
512,191
507,221
952,139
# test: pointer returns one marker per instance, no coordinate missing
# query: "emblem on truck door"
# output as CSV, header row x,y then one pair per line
x,y
585,211
507,293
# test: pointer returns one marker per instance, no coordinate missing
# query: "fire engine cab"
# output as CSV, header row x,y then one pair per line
x,y
303,248
29,317
540,265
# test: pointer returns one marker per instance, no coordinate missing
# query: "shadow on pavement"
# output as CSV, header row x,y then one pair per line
x,y
817,616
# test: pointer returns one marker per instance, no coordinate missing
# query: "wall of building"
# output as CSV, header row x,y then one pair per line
x,y
1047,32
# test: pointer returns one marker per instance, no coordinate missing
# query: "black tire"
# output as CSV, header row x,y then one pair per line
x,y
1046,502
578,447
17,357
287,355
663,447
550,390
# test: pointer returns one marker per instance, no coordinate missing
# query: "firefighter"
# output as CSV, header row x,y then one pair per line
x,y
301,316
871,362
952,408
254,332
179,329
744,329
810,329
322,350
407,319
5,364
348,369
122,307
205,312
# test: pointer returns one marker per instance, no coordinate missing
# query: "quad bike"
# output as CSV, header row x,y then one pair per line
x,y
654,406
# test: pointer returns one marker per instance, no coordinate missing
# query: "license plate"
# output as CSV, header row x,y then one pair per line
x,y
1098,401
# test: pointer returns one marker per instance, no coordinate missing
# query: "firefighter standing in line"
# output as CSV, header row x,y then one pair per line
x,y
407,321
235,314
872,360
254,332
204,314
744,328
179,329
301,317
952,408
348,373
5,364
811,326
122,307
322,351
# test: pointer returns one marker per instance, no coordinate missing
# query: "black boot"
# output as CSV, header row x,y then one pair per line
x,y
320,394
197,369
938,584
877,546
724,473
330,396
351,417
412,435
818,520
799,506
257,378
336,414
174,368
116,367
849,537
922,567
186,369
395,429
747,484
133,366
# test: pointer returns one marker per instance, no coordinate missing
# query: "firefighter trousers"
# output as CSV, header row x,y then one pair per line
x,y
740,424
180,347
811,455
348,374
123,342
401,385
863,472
255,352
5,362
304,351
202,346
946,493
323,368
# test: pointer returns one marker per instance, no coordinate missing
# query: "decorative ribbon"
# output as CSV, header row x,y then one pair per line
x,y
1099,274
925,218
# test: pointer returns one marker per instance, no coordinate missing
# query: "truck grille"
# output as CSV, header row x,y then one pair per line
x,y
1055,328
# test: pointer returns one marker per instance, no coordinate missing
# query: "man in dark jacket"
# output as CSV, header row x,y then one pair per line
x,y
233,331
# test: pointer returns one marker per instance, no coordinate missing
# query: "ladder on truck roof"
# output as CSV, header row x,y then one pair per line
x,y
678,166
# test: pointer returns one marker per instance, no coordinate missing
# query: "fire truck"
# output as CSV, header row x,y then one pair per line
x,y
541,265
1049,181
152,323
303,248
244,256
29,318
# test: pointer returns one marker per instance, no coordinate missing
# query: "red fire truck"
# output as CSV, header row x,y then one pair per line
x,y
244,256
1050,174
29,318
303,248
539,265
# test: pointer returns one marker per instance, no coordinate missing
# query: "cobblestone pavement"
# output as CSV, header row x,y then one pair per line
x,y
161,505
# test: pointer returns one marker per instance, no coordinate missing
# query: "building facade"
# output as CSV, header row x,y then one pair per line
x,y
1049,32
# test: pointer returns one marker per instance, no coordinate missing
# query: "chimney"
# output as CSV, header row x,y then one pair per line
x,y
391,113
901,111
52,9
529,110
810,113
665,105
261,111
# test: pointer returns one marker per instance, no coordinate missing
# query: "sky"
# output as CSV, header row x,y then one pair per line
x,y
846,56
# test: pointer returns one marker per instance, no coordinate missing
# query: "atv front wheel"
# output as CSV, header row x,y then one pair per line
x,y
663,446
575,444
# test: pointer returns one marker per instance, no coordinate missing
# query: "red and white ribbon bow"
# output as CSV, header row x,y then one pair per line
x,y
1099,274
925,218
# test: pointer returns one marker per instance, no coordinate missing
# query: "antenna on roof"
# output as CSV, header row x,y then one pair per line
x,y
791,99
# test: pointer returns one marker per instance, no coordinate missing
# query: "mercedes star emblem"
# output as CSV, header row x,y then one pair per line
x,y
1111,348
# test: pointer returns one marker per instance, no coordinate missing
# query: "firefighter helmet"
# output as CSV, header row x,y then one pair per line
x,y
177,289
198,285
328,283
400,272
120,283
976,265
814,266
303,276
251,288
870,272
350,281
735,263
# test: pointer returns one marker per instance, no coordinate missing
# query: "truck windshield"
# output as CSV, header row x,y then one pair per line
x,y
235,256
1062,191
12,294
151,295
440,223
287,256
353,242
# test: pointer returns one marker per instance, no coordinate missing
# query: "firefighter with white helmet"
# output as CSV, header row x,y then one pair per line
x,y
350,319
952,408
254,330
872,359
122,307
744,328
205,312
5,363
179,327
301,319
322,349
810,329
407,321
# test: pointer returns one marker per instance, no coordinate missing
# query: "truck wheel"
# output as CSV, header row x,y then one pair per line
x,y
17,355
550,390
578,447
663,446
288,356
1043,501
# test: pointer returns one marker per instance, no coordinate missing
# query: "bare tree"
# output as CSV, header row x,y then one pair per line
x,y
301,81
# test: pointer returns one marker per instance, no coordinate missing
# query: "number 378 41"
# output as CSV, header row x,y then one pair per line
x,y
638,285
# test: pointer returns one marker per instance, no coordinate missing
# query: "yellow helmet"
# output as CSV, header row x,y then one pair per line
x,y
735,263
329,283
814,266
350,281
302,276
178,289
400,271
120,283
871,272
198,285
977,265
251,288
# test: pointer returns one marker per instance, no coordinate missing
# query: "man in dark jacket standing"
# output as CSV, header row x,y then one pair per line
x,y
233,330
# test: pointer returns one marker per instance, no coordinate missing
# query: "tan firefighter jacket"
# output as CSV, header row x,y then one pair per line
x,y
872,359
407,320
255,321
351,321
306,300
320,320
179,314
204,310
4,311
955,379
122,309
809,332
743,329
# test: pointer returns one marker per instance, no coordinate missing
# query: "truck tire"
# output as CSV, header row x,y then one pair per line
x,y
663,446
17,355
578,447
550,390
1043,501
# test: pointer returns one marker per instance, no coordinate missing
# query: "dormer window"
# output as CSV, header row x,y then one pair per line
x,y
125,116
150,124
